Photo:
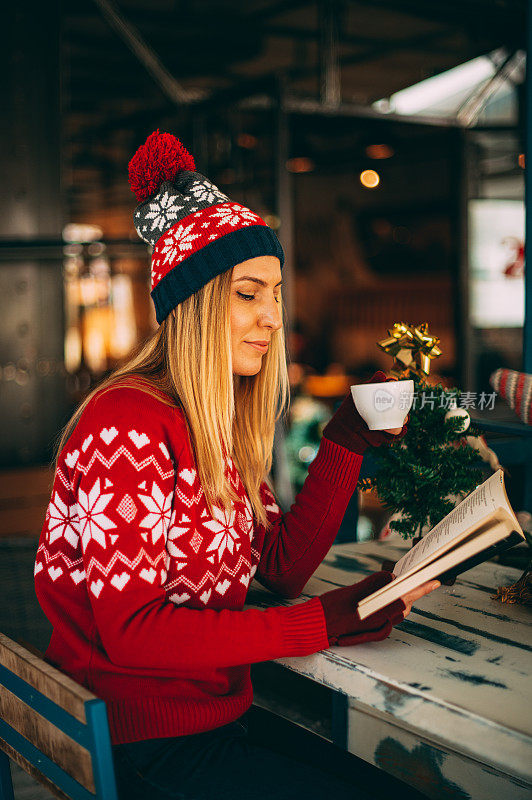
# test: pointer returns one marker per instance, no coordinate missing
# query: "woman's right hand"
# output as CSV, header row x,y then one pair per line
x,y
416,594
347,428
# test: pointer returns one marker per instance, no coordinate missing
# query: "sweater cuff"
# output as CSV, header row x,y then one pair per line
x,y
336,464
304,629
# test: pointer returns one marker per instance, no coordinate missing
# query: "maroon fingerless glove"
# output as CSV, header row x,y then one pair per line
x,y
348,429
343,624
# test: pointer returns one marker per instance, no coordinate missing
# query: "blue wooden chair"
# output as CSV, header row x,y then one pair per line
x,y
53,728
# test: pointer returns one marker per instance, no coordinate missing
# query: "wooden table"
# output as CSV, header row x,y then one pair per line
x,y
445,702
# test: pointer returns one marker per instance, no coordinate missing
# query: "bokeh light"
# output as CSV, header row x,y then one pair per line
x,y
370,179
379,151
301,164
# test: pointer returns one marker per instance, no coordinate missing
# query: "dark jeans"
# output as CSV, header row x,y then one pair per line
x,y
257,757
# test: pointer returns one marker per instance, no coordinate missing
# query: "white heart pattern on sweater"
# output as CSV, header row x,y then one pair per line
x,y
54,572
71,458
77,575
148,574
86,443
119,581
108,434
179,598
206,596
139,439
188,475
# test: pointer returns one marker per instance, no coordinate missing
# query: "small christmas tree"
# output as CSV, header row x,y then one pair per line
x,y
422,476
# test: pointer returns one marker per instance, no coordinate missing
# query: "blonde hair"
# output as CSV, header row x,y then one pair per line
x,y
187,363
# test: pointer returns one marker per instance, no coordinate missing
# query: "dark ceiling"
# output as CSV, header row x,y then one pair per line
x,y
129,66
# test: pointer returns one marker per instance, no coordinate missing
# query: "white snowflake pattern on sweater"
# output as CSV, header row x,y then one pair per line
x,y
176,532
133,608
93,522
127,517
159,508
226,537
62,521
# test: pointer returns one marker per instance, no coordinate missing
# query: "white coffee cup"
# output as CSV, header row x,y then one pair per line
x,y
383,405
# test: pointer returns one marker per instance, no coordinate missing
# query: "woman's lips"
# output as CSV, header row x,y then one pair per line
x,y
262,348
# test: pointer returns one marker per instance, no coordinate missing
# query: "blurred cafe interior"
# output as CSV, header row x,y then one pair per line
x,y
386,144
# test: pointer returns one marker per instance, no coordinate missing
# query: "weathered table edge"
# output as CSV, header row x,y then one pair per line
x,y
421,713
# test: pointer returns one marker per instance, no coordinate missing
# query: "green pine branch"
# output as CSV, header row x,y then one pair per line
x,y
417,475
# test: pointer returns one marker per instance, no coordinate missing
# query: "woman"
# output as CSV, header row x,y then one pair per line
x,y
161,514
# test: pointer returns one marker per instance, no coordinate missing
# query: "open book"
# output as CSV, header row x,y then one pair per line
x,y
481,526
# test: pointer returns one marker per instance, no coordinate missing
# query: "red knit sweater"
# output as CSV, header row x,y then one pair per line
x,y
145,589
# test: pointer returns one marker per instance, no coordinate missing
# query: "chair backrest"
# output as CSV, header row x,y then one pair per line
x,y
52,727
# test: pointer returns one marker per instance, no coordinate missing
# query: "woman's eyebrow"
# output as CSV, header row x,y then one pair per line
x,y
256,280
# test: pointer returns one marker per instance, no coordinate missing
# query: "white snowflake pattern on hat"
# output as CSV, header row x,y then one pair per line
x,y
234,215
178,240
206,192
163,211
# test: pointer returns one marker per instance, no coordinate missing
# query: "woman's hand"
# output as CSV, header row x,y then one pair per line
x,y
345,628
347,428
397,431
410,598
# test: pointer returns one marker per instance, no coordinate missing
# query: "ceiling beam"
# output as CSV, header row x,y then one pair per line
x,y
330,76
500,17
281,7
170,87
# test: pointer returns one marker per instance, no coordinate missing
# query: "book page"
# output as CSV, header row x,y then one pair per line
x,y
482,501
462,552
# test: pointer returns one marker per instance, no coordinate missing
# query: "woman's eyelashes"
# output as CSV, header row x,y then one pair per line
x,y
248,297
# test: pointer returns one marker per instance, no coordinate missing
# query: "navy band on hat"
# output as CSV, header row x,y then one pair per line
x,y
213,259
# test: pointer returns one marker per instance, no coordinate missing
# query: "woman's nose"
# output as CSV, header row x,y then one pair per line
x,y
271,315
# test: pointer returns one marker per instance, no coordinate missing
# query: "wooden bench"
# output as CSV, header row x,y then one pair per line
x,y
53,728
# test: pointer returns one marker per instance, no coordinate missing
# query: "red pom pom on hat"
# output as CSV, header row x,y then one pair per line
x,y
159,159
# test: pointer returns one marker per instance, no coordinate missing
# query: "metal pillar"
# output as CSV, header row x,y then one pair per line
x,y
285,212
527,330
285,203
32,393
464,331
467,187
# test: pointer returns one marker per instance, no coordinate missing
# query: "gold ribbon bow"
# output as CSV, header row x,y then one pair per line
x,y
411,347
